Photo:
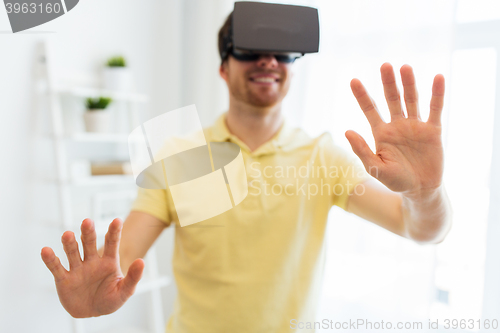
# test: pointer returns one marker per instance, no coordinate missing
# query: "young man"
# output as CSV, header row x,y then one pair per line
x,y
257,266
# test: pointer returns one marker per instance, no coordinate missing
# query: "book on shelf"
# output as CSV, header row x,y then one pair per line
x,y
110,168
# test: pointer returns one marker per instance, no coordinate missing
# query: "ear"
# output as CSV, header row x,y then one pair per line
x,y
223,70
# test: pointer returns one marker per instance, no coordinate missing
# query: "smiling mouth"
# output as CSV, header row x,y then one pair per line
x,y
264,79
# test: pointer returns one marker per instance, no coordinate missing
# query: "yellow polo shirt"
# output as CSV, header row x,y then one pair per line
x,y
259,265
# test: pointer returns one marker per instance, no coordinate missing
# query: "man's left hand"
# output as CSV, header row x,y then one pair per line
x,y
409,151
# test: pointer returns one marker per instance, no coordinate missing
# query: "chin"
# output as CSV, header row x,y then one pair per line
x,y
263,101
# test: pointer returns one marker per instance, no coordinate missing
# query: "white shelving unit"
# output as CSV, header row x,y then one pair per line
x,y
97,137
152,282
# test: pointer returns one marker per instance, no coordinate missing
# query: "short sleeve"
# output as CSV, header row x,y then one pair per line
x,y
153,202
345,172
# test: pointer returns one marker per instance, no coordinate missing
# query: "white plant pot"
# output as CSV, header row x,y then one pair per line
x,y
118,79
97,121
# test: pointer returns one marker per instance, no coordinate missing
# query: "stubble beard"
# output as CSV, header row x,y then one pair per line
x,y
251,95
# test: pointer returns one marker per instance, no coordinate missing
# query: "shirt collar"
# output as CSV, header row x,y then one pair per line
x,y
219,132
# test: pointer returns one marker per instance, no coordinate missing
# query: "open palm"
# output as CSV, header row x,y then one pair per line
x,y
409,152
96,285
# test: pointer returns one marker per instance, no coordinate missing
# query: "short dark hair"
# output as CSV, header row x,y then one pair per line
x,y
224,33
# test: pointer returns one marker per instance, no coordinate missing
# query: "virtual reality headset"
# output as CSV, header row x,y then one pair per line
x,y
286,31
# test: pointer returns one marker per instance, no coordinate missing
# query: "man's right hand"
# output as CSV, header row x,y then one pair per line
x,y
96,285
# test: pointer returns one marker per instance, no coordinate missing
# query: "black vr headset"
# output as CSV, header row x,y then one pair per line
x,y
286,31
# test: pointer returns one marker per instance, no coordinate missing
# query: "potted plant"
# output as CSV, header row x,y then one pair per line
x,y
96,117
117,75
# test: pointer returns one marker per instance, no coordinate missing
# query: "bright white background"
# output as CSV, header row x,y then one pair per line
x,y
171,47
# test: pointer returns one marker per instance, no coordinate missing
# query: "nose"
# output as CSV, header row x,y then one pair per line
x,y
267,61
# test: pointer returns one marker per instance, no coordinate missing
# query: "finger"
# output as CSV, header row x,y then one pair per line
x,y
391,91
362,150
437,100
89,239
53,264
133,277
71,248
112,239
410,91
366,103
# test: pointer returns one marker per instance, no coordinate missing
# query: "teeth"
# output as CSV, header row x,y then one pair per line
x,y
265,79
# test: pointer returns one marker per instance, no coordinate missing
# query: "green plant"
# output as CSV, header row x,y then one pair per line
x,y
97,103
118,61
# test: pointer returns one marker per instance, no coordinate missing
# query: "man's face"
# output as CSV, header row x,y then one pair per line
x,y
262,83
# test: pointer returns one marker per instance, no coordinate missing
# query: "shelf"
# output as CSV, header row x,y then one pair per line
x,y
126,330
145,285
104,180
114,190
98,137
93,92
97,180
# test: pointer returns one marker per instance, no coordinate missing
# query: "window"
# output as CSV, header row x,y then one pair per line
x,y
371,273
